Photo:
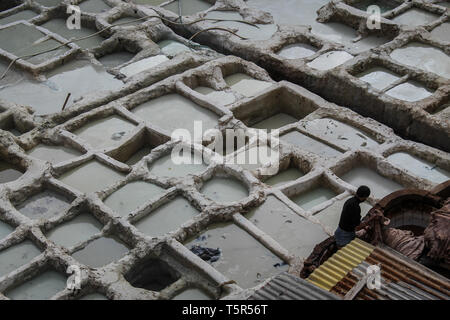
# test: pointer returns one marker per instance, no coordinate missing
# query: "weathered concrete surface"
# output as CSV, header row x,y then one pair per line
x,y
363,141
413,120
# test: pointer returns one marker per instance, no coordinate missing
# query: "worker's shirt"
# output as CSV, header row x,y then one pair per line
x,y
351,215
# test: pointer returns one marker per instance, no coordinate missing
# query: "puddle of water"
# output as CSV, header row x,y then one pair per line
x,y
8,172
275,122
415,17
5,229
284,176
330,60
48,44
217,97
424,57
42,287
28,40
293,232
172,48
384,5
409,91
21,15
242,258
442,32
78,177
309,199
379,185
104,133
101,252
133,195
419,167
53,154
142,65
49,3
378,77
116,59
165,167
340,133
331,215
192,294
94,6
246,85
17,256
58,26
94,296
309,144
181,111
169,217
49,96
297,51
188,7
46,204
255,33
224,190
138,155
74,231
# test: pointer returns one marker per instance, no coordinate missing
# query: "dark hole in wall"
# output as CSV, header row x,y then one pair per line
x,y
5,4
410,215
152,274
416,230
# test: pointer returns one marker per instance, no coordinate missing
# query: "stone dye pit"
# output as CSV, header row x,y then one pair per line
x,y
91,176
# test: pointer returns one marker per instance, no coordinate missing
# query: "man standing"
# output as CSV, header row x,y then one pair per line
x,y
350,217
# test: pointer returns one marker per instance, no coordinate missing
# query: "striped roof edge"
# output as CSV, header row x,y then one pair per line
x,y
332,271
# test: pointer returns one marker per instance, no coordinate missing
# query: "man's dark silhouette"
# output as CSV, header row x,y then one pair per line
x,y
350,217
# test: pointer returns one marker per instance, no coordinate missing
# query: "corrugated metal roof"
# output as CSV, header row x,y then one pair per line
x,y
400,279
288,287
342,262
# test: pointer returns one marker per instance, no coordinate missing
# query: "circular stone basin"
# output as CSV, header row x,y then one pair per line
x,y
330,60
223,190
297,51
410,215
152,274
8,172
